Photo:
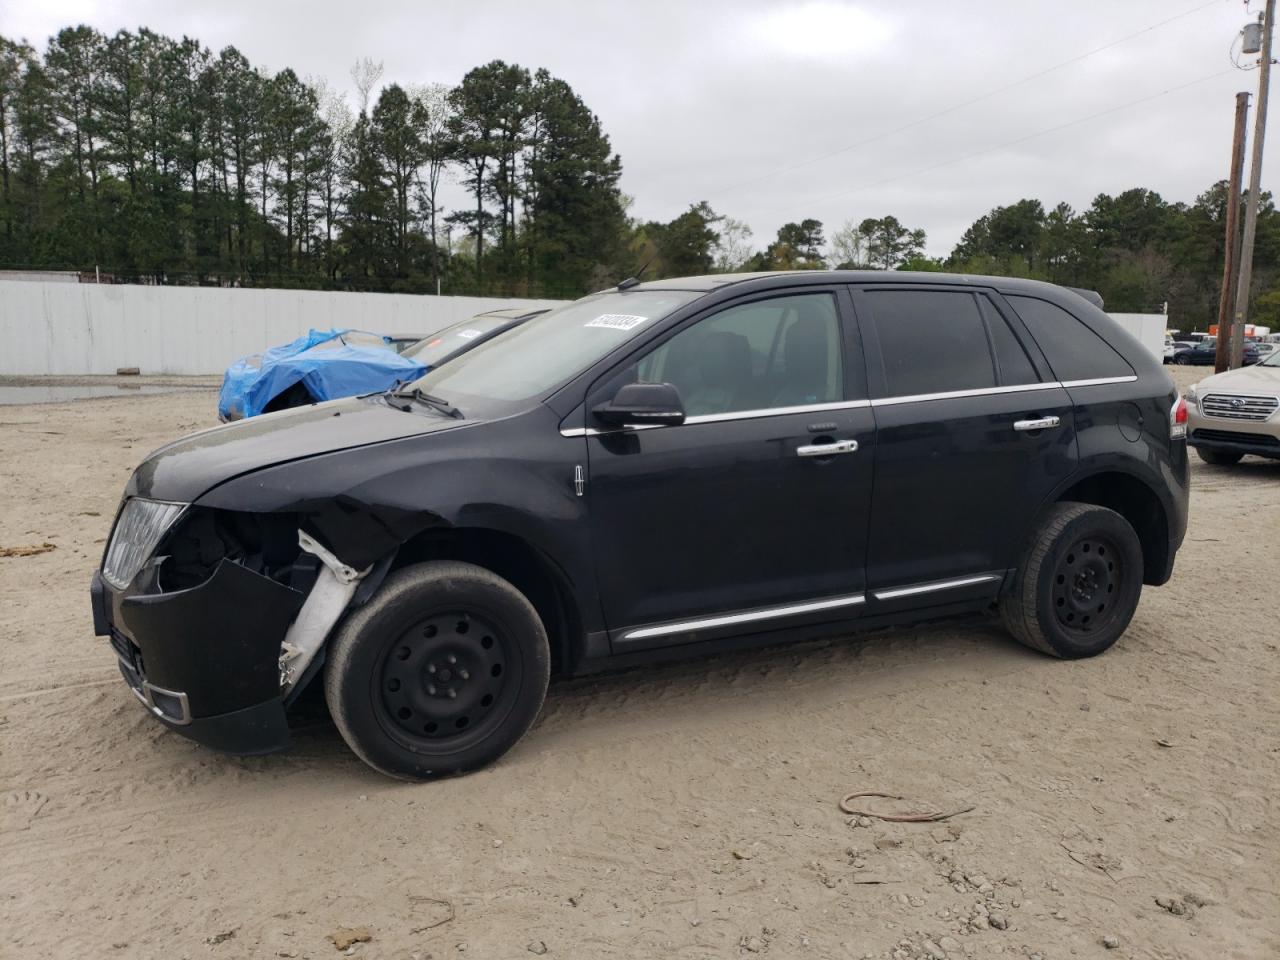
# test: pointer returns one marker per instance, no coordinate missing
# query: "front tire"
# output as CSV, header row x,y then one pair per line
x,y
1079,584
1219,458
440,673
1182,359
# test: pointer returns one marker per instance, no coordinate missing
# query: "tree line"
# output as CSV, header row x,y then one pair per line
x,y
1143,253
159,161
156,160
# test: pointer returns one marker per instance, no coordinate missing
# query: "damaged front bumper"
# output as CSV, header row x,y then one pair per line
x,y
205,661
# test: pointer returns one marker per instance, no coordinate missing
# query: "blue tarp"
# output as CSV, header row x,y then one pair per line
x,y
331,364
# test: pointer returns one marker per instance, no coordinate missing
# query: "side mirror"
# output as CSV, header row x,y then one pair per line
x,y
638,403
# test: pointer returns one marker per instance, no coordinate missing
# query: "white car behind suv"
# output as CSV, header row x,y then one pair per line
x,y
1237,413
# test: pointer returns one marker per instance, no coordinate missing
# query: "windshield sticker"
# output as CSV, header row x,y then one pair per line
x,y
617,321
468,334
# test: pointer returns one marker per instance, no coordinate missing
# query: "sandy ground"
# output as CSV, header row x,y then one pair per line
x,y
688,811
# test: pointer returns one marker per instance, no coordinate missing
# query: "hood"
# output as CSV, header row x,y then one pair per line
x,y
187,468
1255,379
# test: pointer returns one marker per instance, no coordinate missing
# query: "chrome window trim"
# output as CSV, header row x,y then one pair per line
x,y
597,432
960,394
854,404
933,586
1100,381
758,413
777,411
749,616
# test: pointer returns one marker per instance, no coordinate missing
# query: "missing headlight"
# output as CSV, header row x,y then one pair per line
x,y
264,543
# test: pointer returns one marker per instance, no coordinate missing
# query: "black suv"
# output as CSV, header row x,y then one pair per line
x,y
660,469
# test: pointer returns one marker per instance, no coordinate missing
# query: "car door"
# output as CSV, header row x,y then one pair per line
x,y
973,433
751,515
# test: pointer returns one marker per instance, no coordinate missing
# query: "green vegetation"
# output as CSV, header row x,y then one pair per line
x,y
157,161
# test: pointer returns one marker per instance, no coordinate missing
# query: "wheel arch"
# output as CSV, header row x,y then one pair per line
x,y
526,567
1135,499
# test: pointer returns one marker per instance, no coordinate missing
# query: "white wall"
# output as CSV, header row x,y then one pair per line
x,y
1149,329
87,328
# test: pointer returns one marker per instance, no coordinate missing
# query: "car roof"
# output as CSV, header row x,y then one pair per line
x,y
714,281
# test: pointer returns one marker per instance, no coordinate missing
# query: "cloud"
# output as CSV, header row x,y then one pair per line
x,y
822,30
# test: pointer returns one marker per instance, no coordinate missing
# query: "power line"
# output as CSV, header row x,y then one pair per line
x,y
959,106
1007,143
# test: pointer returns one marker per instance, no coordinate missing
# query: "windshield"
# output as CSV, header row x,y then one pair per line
x,y
429,351
547,351
1271,359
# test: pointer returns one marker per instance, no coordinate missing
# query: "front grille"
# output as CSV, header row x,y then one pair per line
x,y
128,653
1238,406
1231,436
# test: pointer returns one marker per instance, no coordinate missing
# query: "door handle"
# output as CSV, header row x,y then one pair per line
x,y
827,449
1043,423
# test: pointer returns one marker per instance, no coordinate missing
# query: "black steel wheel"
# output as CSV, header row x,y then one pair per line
x,y
1079,583
441,672
1084,585
443,680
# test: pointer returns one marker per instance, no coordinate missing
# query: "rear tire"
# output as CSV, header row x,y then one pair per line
x,y
440,673
1182,359
1219,458
1079,584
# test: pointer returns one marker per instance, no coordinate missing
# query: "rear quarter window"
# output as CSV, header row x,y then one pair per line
x,y
1073,350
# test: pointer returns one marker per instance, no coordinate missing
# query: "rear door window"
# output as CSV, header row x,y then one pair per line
x,y
1073,350
931,341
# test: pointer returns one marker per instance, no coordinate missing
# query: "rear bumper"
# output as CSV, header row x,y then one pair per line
x,y
205,661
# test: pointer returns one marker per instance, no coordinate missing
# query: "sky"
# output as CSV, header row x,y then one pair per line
x,y
932,111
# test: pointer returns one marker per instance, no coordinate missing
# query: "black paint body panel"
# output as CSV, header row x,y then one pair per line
x,y
219,642
671,523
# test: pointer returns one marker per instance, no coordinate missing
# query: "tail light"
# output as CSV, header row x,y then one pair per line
x,y
1178,419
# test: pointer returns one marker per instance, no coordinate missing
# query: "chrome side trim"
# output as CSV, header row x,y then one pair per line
x,y
1098,381
750,616
958,394
933,586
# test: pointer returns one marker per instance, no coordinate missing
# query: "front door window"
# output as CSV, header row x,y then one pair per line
x,y
783,352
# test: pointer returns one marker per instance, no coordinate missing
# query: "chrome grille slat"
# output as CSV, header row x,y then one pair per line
x,y
1242,406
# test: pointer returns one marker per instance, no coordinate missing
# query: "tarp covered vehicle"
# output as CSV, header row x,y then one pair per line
x,y
345,363
322,365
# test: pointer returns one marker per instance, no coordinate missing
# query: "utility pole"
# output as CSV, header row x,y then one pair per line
x,y
1255,188
1230,266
